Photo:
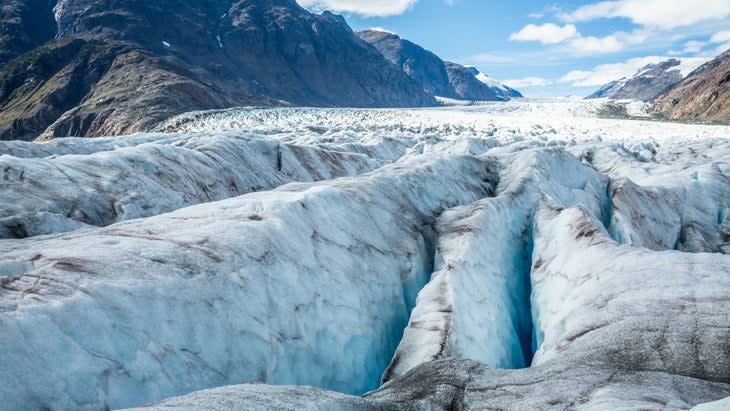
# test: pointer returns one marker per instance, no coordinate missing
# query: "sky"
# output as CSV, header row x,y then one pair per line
x,y
549,48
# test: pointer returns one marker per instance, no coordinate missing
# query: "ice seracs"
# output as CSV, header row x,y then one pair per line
x,y
477,303
519,256
311,284
46,195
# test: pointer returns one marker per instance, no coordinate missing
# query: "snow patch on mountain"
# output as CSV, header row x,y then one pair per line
x,y
649,81
500,88
689,64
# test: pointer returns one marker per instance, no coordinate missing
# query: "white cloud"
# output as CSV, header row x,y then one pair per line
x,y
690,47
606,73
574,42
716,44
596,45
720,37
362,7
720,49
664,14
548,33
528,82
723,39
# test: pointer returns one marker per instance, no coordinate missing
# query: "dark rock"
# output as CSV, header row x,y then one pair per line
x,y
336,17
426,68
466,86
437,77
24,25
649,82
147,61
703,96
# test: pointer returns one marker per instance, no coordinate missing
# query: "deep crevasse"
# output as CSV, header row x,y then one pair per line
x,y
319,278
480,303
477,305
179,302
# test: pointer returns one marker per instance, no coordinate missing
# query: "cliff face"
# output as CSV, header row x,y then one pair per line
x,y
24,25
437,77
466,86
426,68
645,85
703,96
94,68
650,81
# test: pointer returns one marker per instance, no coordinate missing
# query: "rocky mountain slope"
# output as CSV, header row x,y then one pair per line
x,y
24,25
703,96
89,68
437,77
498,87
649,81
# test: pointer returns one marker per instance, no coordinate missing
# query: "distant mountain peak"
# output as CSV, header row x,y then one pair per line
x,y
132,64
436,76
649,81
338,18
703,94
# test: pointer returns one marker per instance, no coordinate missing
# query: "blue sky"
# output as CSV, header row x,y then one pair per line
x,y
549,49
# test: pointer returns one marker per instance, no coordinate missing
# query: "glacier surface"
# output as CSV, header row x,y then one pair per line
x,y
520,255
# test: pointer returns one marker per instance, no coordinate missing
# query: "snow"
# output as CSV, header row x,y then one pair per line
x,y
689,64
573,296
491,82
263,397
452,318
519,255
503,122
185,297
166,44
501,89
45,195
714,406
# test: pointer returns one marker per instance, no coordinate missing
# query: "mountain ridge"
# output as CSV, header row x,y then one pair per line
x,y
151,61
649,81
436,76
704,95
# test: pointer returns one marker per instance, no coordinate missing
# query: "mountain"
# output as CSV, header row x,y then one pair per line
x,y
423,66
498,87
436,76
649,81
466,86
608,89
703,96
90,68
24,25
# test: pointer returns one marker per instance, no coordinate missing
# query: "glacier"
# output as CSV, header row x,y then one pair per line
x,y
82,188
519,255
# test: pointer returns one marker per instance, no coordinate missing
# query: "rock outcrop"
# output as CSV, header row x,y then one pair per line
x,y
90,68
436,76
703,96
649,81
